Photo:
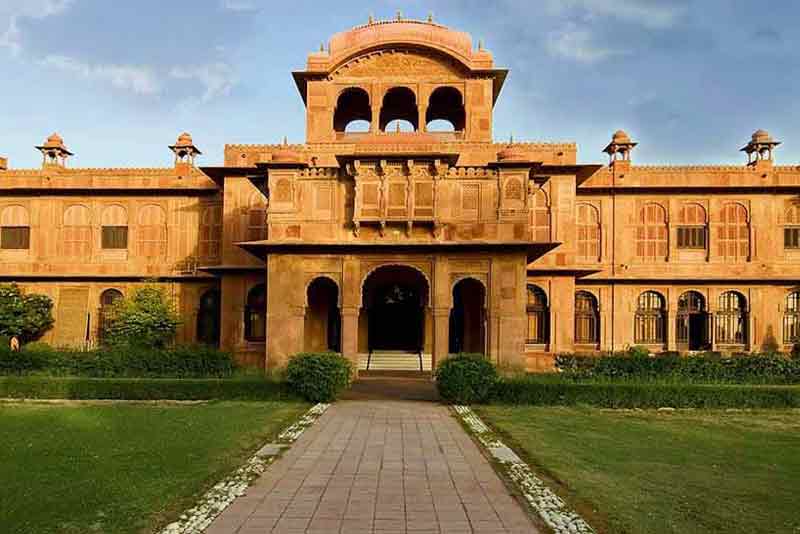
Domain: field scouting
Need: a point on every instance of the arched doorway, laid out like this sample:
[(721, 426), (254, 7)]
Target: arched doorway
[(208, 318), (692, 330), (108, 298), (394, 302), (468, 317), (322, 321)]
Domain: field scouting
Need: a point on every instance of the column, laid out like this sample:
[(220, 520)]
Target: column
[(350, 335), (672, 327), (441, 335)]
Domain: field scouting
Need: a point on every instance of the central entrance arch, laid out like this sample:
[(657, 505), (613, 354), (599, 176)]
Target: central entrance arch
[(395, 298)]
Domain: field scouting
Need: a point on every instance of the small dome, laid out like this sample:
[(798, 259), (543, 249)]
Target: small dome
[(761, 136), (620, 137), (512, 153), (54, 140), (184, 139)]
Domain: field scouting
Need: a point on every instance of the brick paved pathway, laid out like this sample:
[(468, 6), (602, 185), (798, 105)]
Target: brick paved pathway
[(378, 466)]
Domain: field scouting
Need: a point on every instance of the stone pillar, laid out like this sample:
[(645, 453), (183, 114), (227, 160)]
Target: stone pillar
[(422, 112), (441, 335), (672, 327), (350, 335)]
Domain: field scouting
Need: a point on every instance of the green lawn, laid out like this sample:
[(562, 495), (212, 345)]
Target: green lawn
[(121, 468), (655, 472)]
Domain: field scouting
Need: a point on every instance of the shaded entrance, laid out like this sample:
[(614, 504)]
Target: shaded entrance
[(208, 318), (393, 318), (692, 329), (323, 320), (468, 318)]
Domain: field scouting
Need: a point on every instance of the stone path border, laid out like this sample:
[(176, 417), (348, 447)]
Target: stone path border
[(215, 500), (552, 509)]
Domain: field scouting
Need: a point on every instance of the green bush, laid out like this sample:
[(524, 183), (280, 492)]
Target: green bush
[(38, 387), (533, 390), (121, 361), (708, 368), (466, 379), (319, 377), (27, 317), (146, 318)]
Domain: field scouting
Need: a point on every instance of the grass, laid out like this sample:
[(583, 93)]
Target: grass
[(665, 472), (121, 467)]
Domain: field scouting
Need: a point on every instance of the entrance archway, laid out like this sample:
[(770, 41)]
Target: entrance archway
[(322, 321), (395, 298), (692, 329), (468, 317), (208, 318)]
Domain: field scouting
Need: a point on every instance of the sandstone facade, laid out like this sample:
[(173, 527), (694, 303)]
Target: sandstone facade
[(399, 225)]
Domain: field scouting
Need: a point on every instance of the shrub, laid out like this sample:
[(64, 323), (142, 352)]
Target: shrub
[(37, 387), (120, 361), (147, 318), (795, 354), (637, 351), (466, 379), (533, 390), (27, 317), (319, 377)]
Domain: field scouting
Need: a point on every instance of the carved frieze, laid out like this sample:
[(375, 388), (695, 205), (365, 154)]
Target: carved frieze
[(399, 62)]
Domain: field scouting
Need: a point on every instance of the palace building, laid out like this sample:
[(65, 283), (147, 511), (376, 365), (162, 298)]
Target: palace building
[(400, 232)]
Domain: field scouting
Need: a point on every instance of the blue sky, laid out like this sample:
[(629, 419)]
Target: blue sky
[(689, 80)]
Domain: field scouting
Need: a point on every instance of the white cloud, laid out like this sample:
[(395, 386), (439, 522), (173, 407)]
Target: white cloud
[(138, 79), (646, 13), (238, 5), (217, 78), (577, 44), (13, 10), (12, 38)]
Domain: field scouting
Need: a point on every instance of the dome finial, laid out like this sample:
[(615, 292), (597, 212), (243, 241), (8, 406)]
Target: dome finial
[(430, 17), (371, 19), (399, 15)]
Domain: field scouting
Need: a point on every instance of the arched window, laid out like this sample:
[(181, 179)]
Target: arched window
[(791, 229), (731, 319), (107, 300), (114, 228), (255, 314), (587, 319), (76, 238), (691, 331), (152, 231), (257, 217), (540, 217), (352, 109), (650, 319), (15, 229), (791, 318), (538, 316), (399, 104), (734, 233), (692, 223), (651, 233), (445, 106), (588, 228), (210, 232)]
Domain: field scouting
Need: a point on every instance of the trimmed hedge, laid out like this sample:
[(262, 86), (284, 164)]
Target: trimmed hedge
[(706, 368), (186, 361), (466, 379), (38, 387), (533, 391), (319, 377)]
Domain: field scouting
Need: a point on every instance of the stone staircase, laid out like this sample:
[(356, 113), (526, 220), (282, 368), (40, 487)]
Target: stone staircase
[(387, 360)]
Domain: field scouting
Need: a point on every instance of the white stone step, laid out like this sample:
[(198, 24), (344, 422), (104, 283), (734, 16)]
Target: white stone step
[(395, 361)]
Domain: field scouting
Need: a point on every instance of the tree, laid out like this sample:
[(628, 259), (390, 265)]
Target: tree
[(27, 317), (146, 318)]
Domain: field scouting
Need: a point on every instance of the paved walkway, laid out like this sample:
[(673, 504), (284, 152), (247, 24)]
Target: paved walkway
[(378, 467)]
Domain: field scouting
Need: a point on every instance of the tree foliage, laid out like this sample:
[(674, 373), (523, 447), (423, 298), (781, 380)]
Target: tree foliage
[(146, 318), (26, 316)]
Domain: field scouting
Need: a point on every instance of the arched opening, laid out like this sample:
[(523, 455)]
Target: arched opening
[(468, 317), (538, 316), (352, 107), (587, 319), (358, 126), (395, 298), (791, 318), (322, 321), (108, 298), (650, 320), (399, 104), (208, 318), (731, 319), (399, 125), (692, 332), (445, 106), (255, 314)]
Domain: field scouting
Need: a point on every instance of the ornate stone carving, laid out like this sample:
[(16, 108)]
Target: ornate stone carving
[(399, 62)]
